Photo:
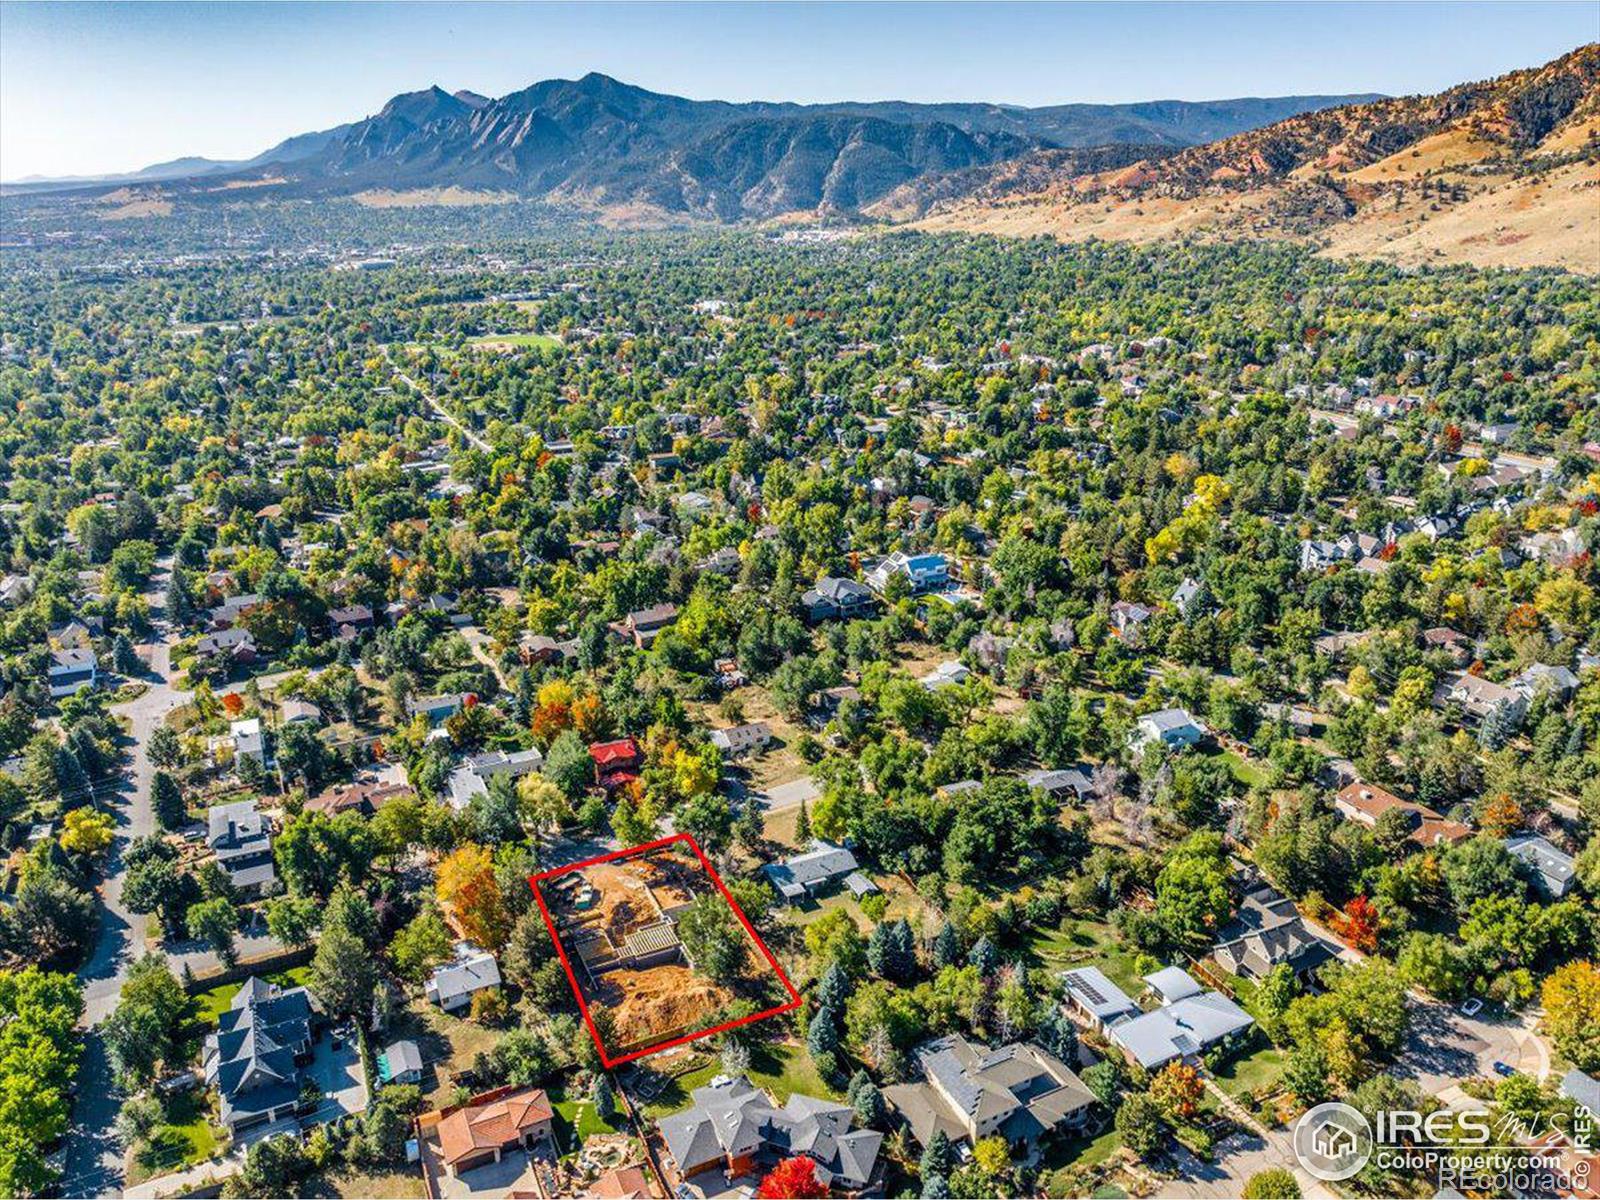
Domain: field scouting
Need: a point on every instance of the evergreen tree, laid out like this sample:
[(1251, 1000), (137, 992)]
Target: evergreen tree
[(802, 825), (947, 946), (938, 1157), (984, 956), (167, 799)]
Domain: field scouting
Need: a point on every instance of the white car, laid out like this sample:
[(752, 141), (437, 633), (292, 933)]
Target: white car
[(1472, 1007)]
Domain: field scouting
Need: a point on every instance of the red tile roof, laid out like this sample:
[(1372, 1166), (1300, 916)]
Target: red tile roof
[(500, 1123)]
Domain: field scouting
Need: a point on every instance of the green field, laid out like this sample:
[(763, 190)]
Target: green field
[(1242, 1076), (210, 1004), (187, 1138), (524, 341), (780, 1069), (576, 1120), (1081, 943)]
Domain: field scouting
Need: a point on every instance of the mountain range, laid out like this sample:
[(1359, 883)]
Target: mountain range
[(599, 143), (1500, 172)]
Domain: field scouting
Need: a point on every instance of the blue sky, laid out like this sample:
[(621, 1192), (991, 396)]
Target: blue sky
[(92, 87)]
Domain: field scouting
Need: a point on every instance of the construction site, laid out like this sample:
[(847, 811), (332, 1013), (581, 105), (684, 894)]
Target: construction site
[(616, 924)]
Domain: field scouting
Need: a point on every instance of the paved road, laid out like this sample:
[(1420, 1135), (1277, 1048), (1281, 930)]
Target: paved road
[(94, 1157), (444, 414)]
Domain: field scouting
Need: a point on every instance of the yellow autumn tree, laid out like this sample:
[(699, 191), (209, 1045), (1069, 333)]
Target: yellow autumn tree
[(469, 892)]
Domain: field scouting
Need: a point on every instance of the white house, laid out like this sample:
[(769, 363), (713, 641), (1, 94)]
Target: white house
[(742, 739), (472, 777), (453, 985), (72, 670), (1172, 728)]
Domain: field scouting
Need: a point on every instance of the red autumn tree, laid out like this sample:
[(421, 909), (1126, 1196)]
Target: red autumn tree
[(792, 1179), (1360, 924)]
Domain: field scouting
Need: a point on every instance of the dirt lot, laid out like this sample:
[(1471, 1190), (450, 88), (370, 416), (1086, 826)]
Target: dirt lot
[(659, 1002), (651, 1003)]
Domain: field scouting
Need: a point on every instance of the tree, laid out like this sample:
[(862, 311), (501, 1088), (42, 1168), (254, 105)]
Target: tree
[(215, 922), (712, 939), (467, 887), (167, 799), (1480, 868), (792, 1179), (1140, 1124), (992, 1155), (567, 764), (292, 920), (155, 883), (1192, 896), (425, 943), (1571, 998), (867, 1100), (1275, 1183), (1058, 1034), (144, 1031), (87, 832), (544, 806), (163, 748), (938, 1158), (1177, 1089), (344, 974)]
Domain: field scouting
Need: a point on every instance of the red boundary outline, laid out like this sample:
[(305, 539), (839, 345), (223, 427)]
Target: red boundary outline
[(572, 977)]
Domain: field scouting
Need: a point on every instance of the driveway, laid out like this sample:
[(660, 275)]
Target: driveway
[(1444, 1047)]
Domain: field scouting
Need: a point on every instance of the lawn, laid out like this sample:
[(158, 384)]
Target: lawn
[(576, 1120), (1248, 773), (1084, 1151), (781, 1069), (1249, 1073), (1081, 943), (522, 341), (210, 1004), (187, 1138)]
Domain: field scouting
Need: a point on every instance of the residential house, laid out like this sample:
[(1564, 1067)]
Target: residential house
[(71, 671), (1558, 682), (539, 647), (725, 562), (1171, 984), (1171, 728), (1019, 1092), (1457, 645), (623, 1183), (365, 798), (1189, 598), (646, 625), (257, 1056), (231, 645), (1583, 1090), (1128, 619), (1269, 932), (241, 837), (400, 1062), (350, 621), (748, 738), (1552, 869), (299, 712), (228, 613), (616, 762), (471, 778), (922, 572), (1059, 785), (436, 709), (470, 971), (1480, 699), (821, 867), (494, 1124), (1182, 1030), (250, 742), (1364, 803), (1096, 997), (945, 675), (835, 598), (733, 1125)]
